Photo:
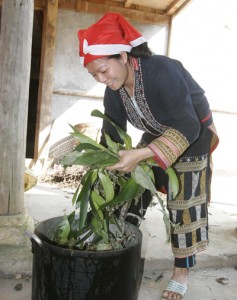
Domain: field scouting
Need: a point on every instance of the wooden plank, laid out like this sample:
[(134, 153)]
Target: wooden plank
[(77, 93), (67, 4), (40, 4), (184, 5), (79, 5), (176, 6), (169, 36), (128, 3), (46, 76), (143, 17)]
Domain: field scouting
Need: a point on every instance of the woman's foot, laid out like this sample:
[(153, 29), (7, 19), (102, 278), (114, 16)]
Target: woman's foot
[(177, 285)]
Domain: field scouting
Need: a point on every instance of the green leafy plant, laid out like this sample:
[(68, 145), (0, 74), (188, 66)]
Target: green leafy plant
[(102, 198)]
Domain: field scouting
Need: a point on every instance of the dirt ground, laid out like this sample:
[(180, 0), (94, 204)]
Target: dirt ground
[(62, 177)]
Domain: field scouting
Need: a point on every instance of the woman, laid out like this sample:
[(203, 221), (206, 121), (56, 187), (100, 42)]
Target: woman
[(157, 95)]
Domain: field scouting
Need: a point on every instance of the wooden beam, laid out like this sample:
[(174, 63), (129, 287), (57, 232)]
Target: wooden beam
[(46, 76), (77, 93), (78, 5), (184, 5), (169, 36), (128, 3), (68, 4), (176, 6), (40, 4), (143, 17)]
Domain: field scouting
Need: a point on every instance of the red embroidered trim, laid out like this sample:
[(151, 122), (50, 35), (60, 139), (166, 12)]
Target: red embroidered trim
[(160, 162), (134, 63), (206, 118), (157, 159)]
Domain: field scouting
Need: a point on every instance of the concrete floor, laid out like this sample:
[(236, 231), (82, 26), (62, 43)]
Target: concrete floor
[(205, 284), (218, 262)]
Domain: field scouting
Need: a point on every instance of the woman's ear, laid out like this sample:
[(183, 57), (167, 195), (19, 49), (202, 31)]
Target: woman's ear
[(124, 56)]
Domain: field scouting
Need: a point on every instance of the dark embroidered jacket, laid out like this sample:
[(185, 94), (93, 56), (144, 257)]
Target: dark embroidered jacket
[(168, 106)]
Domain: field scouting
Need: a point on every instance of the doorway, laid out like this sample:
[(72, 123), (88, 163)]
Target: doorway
[(34, 83)]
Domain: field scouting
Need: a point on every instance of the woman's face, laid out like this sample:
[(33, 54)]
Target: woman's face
[(111, 71)]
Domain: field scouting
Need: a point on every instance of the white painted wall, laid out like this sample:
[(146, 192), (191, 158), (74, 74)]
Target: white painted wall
[(205, 39)]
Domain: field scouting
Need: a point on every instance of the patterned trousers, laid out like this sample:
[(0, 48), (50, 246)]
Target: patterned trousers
[(189, 209)]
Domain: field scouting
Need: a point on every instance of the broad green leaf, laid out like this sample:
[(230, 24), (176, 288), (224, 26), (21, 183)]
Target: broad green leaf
[(82, 138), (107, 186), (86, 146), (75, 196), (111, 144), (143, 179), (105, 231), (97, 202), (63, 229), (71, 217), (96, 210), (90, 158), (173, 182), (97, 198), (166, 220), (97, 226), (83, 199), (129, 191), (123, 135), (94, 176), (107, 162)]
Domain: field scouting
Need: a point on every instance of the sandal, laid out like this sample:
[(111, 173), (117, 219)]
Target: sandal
[(176, 287)]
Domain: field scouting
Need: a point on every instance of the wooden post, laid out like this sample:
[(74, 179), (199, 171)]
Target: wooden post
[(15, 61), (169, 35), (46, 78)]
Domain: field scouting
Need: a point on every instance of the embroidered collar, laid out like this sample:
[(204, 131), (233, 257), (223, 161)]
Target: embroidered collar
[(140, 114)]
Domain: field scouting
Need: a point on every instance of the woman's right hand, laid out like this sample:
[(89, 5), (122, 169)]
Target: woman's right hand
[(129, 159)]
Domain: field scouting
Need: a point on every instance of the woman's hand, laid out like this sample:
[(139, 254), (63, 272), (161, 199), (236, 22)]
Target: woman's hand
[(129, 159)]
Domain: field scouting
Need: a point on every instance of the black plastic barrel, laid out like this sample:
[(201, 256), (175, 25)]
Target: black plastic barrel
[(64, 274)]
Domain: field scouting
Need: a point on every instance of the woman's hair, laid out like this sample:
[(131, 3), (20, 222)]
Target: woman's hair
[(140, 51)]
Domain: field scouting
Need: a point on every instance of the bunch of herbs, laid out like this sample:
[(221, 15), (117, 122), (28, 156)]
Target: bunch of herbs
[(95, 224)]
